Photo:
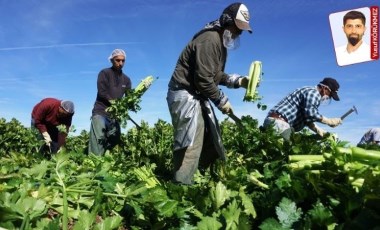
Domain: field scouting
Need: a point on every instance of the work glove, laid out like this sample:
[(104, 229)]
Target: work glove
[(243, 82), (47, 138), (226, 108), (236, 81), (317, 129), (332, 122), (334, 136)]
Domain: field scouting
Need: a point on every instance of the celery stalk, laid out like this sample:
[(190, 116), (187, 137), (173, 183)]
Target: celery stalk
[(360, 153), (294, 158), (254, 77)]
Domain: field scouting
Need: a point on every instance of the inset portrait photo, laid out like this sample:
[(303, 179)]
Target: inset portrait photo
[(355, 35)]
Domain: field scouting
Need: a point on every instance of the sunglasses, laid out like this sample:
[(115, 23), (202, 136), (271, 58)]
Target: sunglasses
[(119, 60)]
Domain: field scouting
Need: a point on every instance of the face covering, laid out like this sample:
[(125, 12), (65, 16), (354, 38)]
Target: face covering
[(325, 100), (229, 42)]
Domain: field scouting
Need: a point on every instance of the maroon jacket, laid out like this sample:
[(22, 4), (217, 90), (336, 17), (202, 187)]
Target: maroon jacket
[(46, 119)]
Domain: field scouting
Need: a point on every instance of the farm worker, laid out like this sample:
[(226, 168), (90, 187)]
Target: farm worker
[(372, 136), (112, 84), (300, 109), (47, 116), (194, 83)]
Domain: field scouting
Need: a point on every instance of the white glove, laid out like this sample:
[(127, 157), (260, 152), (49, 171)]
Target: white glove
[(226, 108), (334, 136), (320, 131), (332, 122), (243, 82), (317, 129), (47, 138)]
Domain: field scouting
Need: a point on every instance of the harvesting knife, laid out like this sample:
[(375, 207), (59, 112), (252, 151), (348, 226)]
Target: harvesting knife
[(134, 122), (353, 109), (236, 119)]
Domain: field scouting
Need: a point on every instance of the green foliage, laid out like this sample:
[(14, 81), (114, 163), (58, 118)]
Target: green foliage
[(320, 215), (14, 137), (130, 187), (120, 108), (77, 144), (288, 213), (150, 145)]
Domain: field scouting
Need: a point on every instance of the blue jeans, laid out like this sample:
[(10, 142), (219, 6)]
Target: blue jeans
[(104, 134)]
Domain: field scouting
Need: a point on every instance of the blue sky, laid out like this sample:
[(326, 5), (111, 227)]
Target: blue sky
[(56, 49)]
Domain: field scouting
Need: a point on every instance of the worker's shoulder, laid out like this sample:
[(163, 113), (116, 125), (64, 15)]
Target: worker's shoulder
[(375, 130), (211, 35)]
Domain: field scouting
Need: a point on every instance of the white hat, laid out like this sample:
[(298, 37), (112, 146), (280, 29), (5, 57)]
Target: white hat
[(68, 106), (240, 14), (117, 52)]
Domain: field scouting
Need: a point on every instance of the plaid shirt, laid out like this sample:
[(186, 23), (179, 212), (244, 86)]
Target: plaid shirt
[(300, 107)]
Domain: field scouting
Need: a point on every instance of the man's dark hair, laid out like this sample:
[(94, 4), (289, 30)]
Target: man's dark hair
[(354, 15)]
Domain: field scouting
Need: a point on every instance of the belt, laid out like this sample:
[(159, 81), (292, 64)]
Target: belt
[(277, 116)]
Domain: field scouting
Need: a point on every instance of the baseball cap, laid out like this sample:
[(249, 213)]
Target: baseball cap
[(117, 52), (239, 12), (333, 86), (68, 106)]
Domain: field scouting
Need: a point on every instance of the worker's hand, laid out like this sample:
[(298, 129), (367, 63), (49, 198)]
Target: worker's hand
[(334, 136), (332, 122), (317, 129), (226, 108), (47, 138), (59, 150), (243, 81), (320, 131)]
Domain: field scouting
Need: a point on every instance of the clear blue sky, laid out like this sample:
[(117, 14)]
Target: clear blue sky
[(56, 49)]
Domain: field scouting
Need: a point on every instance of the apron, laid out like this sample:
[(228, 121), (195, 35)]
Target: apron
[(184, 109)]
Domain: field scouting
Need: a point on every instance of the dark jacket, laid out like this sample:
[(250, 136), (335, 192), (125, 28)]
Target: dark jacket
[(201, 64), (112, 84)]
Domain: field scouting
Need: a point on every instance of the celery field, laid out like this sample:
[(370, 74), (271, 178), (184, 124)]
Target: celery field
[(264, 184)]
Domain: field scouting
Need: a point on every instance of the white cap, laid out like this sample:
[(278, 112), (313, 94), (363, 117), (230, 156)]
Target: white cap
[(117, 52), (240, 14), (242, 18), (68, 106)]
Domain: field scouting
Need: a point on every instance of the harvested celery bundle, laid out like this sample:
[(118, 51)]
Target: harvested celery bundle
[(255, 73)]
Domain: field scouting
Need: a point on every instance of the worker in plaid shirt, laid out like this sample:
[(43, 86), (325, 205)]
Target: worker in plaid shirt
[(300, 109)]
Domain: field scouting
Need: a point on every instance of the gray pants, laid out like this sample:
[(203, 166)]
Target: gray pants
[(282, 127), (201, 154), (104, 134)]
